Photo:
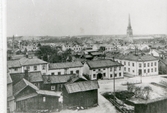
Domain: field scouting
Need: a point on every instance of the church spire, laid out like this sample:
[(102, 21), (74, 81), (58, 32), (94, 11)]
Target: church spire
[(129, 26)]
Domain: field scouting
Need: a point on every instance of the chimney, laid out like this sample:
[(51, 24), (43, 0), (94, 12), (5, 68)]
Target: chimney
[(26, 74)]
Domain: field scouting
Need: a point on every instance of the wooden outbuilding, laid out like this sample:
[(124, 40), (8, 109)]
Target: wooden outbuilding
[(80, 94), (29, 98)]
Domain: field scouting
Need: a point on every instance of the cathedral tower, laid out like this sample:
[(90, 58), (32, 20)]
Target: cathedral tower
[(129, 29)]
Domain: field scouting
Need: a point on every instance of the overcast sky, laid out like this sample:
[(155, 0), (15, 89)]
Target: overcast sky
[(85, 17)]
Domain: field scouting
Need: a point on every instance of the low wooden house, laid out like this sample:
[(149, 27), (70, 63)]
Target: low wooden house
[(80, 94), (29, 98), (55, 82)]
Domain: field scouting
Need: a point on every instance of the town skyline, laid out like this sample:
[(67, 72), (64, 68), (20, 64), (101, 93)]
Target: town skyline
[(64, 18)]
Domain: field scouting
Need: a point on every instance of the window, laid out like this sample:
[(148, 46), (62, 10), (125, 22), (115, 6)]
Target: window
[(94, 70), (133, 64), (52, 87), (16, 69), (99, 69), (148, 70), (28, 68), (35, 67), (115, 68), (119, 68), (139, 64), (148, 64), (145, 71), (59, 73), (71, 72), (144, 64), (103, 68), (152, 70), (124, 68), (115, 75), (129, 69), (155, 69), (133, 71), (43, 67), (151, 64), (124, 63), (52, 73), (77, 71), (110, 69), (155, 64), (94, 75), (104, 74), (110, 75), (44, 99), (120, 74), (128, 63)]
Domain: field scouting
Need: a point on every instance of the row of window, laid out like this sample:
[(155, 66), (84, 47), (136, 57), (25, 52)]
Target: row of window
[(140, 64), (111, 75), (115, 68), (71, 72), (148, 70), (35, 67)]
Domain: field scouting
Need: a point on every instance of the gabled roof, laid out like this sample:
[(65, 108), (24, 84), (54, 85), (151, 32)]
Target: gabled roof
[(55, 79), (35, 76), (50, 93), (81, 86), (22, 84), (24, 62), (9, 79), (140, 58), (32, 76), (76, 79), (65, 65), (102, 64)]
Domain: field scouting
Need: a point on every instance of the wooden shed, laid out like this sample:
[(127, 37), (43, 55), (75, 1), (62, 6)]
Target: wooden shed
[(80, 94), (29, 98)]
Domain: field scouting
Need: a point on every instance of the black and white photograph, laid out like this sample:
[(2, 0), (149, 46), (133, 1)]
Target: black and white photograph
[(85, 56)]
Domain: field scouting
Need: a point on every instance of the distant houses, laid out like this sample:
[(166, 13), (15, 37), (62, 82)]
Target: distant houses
[(139, 65), (103, 69)]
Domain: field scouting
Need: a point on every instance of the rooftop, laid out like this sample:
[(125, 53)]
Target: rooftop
[(102, 63), (53, 79), (25, 61), (65, 65), (81, 86), (139, 58)]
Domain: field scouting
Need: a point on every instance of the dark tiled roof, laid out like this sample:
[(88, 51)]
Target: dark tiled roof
[(16, 77), (22, 84), (35, 76), (77, 78), (141, 58), (32, 76), (53, 79), (65, 65), (102, 63), (81, 86)]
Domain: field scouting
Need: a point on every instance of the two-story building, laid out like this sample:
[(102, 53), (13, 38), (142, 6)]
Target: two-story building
[(65, 68), (103, 69), (139, 64), (30, 64)]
